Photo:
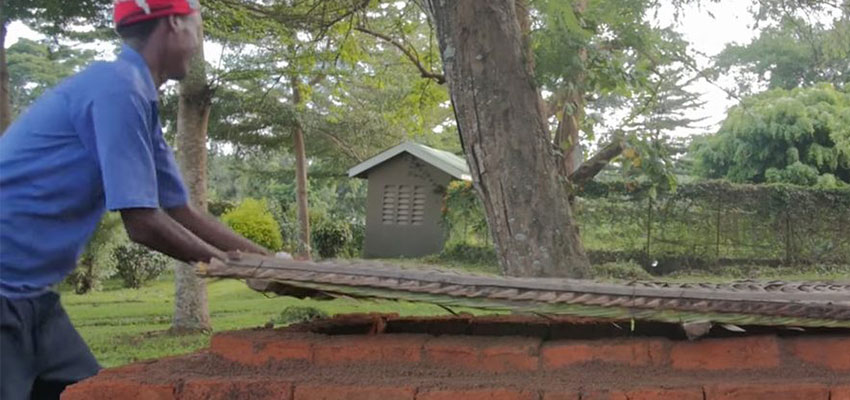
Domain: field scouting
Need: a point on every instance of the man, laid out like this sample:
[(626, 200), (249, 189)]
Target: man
[(91, 144)]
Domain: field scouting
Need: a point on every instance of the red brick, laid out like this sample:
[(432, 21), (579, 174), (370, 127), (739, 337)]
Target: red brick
[(726, 354), (633, 352), (658, 394), (344, 350), (840, 393), (636, 394), (600, 395), (110, 389), (379, 348), (477, 394), (455, 351), (509, 354), (830, 352), (767, 392), (562, 395), (230, 388), (250, 349), (333, 392), (234, 348), (289, 349), (493, 354), (401, 348)]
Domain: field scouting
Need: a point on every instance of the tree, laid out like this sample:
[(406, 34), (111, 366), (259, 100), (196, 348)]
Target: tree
[(801, 136), (298, 86), (304, 66), (191, 311), (586, 54), (35, 66), (794, 53), (506, 139), (50, 16)]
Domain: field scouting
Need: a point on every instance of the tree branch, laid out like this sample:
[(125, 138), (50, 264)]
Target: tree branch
[(593, 166), (308, 20), (439, 78), (342, 145)]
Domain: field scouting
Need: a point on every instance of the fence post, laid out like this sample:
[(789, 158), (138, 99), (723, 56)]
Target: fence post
[(717, 228), (788, 250), (648, 228)]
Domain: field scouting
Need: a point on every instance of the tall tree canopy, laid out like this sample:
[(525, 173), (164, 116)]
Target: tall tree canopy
[(35, 66), (793, 53), (49, 16), (799, 136)]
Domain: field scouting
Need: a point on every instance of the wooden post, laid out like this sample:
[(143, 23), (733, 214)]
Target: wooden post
[(648, 229)]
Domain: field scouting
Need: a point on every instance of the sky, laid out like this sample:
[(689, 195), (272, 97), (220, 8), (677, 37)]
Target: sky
[(731, 23)]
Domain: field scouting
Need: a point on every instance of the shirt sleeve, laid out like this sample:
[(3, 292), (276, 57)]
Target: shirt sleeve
[(172, 190), (125, 149)]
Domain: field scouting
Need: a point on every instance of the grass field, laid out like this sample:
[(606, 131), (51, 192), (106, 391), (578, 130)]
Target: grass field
[(126, 325)]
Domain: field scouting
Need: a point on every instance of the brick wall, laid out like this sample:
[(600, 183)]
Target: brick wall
[(461, 366)]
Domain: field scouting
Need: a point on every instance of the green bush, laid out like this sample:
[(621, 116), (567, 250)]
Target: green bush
[(330, 238), (253, 220), (358, 238), (795, 174), (629, 270), (96, 263), (463, 215), (219, 207), (295, 314), (292, 231), (137, 265), (470, 254)]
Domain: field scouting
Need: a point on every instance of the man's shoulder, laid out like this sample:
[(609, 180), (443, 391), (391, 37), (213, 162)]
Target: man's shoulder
[(105, 78)]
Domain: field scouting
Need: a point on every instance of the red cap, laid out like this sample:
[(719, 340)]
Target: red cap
[(129, 12)]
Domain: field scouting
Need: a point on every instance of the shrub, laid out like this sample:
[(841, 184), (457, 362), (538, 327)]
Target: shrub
[(96, 263), (358, 238), (629, 270), (137, 265), (253, 220), (463, 214), (470, 254), (219, 207), (331, 237), (295, 314)]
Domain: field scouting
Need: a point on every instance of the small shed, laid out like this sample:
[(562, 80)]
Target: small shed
[(404, 199)]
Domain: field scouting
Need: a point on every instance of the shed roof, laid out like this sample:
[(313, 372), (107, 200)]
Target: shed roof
[(442, 160)]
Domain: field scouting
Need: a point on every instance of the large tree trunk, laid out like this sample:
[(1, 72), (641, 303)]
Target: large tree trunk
[(301, 189), (191, 312), (5, 107), (506, 139)]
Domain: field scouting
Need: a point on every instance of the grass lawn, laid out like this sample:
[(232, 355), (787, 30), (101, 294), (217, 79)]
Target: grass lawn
[(126, 325)]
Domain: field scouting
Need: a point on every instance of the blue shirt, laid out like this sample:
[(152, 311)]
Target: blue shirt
[(92, 143)]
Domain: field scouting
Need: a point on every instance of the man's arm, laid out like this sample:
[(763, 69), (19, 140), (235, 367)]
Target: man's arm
[(153, 228), (212, 231)]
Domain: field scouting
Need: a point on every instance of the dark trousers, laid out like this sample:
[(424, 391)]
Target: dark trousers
[(40, 351)]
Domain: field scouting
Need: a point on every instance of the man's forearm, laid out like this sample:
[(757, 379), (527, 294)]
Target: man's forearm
[(157, 230), (212, 231)]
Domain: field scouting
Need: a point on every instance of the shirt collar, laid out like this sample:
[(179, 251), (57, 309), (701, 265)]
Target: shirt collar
[(135, 59)]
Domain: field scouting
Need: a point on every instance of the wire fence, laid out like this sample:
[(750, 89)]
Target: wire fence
[(698, 225)]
